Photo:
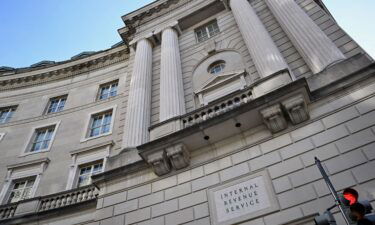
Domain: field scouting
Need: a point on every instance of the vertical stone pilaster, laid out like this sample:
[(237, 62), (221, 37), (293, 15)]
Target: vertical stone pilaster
[(311, 42), (266, 56), (138, 113), (172, 102)]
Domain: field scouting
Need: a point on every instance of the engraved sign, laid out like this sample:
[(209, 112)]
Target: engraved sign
[(242, 200), (238, 200)]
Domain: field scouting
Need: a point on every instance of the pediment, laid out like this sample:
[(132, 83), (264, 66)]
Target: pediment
[(217, 81)]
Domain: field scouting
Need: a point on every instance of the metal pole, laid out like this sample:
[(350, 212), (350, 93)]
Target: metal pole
[(331, 188)]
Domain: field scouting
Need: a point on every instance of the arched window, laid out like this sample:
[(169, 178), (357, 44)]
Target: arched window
[(216, 67)]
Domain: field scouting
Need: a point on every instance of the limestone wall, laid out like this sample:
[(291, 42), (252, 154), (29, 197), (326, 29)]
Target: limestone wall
[(341, 133)]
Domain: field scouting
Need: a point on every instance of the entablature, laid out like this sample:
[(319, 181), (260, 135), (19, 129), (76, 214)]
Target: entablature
[(40, 75), (140, 24)]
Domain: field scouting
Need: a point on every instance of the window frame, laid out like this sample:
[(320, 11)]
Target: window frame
[(205, 27), (101, 86), (27, 148), (34, 168), (86, 135), (103, 123), (11, 108), (215, 64), (49, 104), (12, 188), (87, 156), (46, 137), (89, 164)]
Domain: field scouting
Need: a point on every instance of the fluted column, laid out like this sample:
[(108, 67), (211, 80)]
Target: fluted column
[(311, 42), (172, 102), (138, 113), (266, 56)]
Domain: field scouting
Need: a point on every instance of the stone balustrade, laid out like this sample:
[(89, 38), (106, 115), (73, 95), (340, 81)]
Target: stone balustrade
[(50, 202), (213, 110), (7, 211), (67, 198)]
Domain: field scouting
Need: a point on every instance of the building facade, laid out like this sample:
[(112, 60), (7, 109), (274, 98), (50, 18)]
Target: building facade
[(208, 112)]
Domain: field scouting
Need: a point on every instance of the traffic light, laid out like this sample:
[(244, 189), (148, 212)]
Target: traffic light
[(325, 219), (358, 211)]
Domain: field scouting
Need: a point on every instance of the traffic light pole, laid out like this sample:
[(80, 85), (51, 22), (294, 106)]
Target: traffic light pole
[(332, 189)]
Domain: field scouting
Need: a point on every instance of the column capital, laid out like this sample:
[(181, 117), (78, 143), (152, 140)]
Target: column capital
[(173, 25), (149, 37), (155, 36)]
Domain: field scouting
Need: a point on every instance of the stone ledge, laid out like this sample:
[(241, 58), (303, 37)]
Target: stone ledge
[(291, 100), (339, 71)]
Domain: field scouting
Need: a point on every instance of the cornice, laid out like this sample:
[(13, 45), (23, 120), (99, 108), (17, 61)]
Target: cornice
[(147, 14), (64, 70)]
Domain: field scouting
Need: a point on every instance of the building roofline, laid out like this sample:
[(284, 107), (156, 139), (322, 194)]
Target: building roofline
[(44, 65)]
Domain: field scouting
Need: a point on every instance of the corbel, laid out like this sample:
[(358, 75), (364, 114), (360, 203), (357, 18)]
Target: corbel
[(274, 118)]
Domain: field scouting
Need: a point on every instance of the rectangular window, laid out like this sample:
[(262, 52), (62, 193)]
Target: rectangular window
[(6, 113), (207, 31), (108, 90), (21, 190), (56, 104), (85, 173), (42, 139), (100, 123)]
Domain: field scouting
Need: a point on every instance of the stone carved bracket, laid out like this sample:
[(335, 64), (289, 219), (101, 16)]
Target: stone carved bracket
[(294, 108), (159, 163), (179, 156), (274, 118), (162, 161)]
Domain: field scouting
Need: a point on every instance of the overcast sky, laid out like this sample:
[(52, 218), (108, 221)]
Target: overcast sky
[(36, 30)]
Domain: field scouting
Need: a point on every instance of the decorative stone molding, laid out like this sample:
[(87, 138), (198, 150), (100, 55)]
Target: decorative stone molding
[(159, 162), (29, 77), (164, 159), (274, 118), (179, 156), (296, 108), (138, 18)]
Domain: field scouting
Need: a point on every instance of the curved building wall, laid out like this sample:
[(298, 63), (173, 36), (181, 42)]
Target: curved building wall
[(241, 124), (82, 100)]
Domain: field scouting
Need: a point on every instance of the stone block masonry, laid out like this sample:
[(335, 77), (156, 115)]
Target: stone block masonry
[(345, 145)]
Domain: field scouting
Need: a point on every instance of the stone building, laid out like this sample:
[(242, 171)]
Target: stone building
[(208, 112)]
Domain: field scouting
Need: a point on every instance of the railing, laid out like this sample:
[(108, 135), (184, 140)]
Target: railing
[(67, 198), (7, 211), (213, 110), (50, 202)]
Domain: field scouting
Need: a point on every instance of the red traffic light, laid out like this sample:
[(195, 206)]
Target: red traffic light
[(351, 195)]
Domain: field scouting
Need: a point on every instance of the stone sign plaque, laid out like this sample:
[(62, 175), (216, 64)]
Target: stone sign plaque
[(242, 200)]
